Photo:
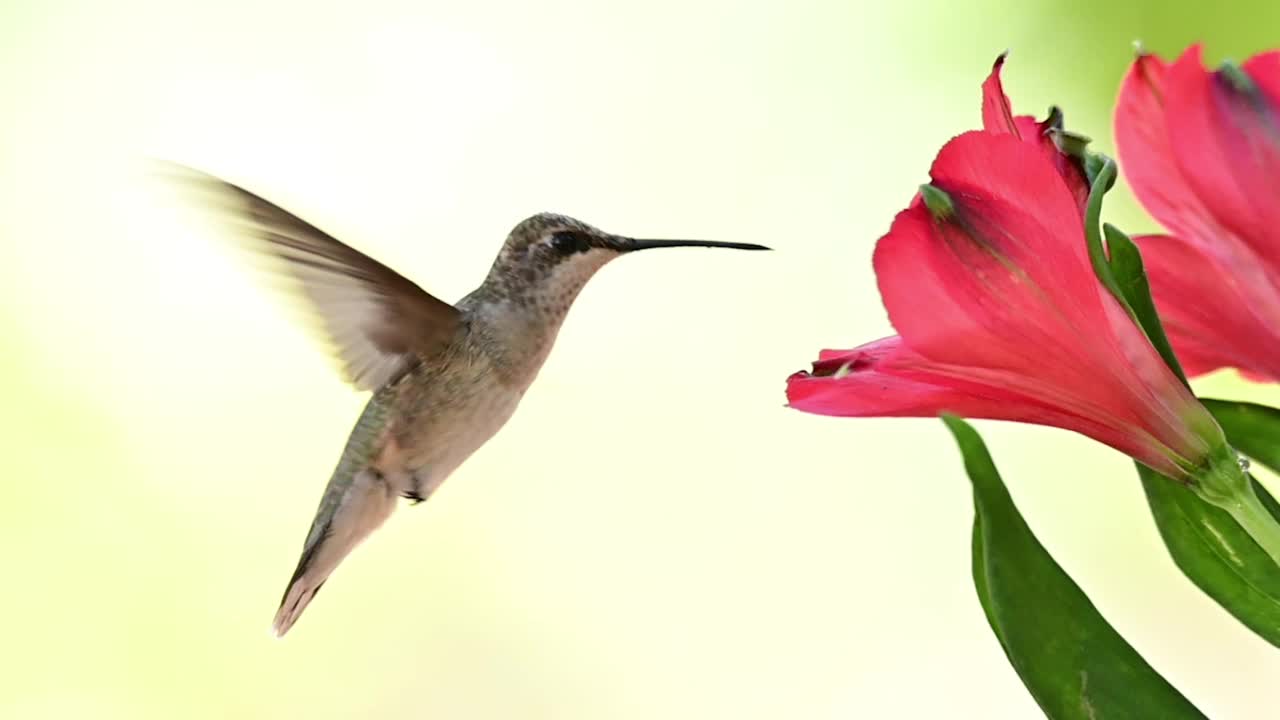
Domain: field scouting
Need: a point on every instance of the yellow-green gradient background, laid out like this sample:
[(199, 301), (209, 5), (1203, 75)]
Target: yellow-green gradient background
[(653, 535)]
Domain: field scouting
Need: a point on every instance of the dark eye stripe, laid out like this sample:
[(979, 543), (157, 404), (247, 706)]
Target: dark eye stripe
[(567, 242)]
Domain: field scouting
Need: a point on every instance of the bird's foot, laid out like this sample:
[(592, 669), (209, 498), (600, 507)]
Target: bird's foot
[(414, 493)]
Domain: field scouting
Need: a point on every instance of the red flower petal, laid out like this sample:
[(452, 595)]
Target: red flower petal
[(1001, 270), (1264, 70), (997, 113), (1198, 151), (1228, 150), (1225, 332), (1147, 158), (850, 383), (885, 379), (998, 118), (1144, 143)]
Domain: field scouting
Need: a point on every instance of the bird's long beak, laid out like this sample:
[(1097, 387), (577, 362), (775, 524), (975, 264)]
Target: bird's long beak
[(630, 244)]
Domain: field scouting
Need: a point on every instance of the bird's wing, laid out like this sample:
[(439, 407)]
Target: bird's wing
[(375, 320)]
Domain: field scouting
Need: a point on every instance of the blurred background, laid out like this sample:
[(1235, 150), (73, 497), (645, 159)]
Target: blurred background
[(653, 535)]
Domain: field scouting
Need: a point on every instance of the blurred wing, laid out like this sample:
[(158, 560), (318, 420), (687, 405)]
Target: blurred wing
[(376, 321)]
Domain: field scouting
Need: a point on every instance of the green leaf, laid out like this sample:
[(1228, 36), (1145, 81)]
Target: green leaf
[(1131, 280), (1075, 665), (1251, 428), (1207, 544), (1119, 267)]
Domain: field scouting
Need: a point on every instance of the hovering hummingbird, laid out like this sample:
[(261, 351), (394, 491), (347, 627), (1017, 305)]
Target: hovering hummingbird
[(444, 377)]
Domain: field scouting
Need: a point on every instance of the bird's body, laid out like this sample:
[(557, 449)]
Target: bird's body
[(445, 378), (416, 431), (410, 437)]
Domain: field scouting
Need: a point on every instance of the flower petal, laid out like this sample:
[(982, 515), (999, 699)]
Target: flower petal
[(1147, 157), (1228, 149), (886, 379), (850, 383), (1145, 137), (998, 118), (997, 113), (996, 272), (1208, 335), (1264, 70)]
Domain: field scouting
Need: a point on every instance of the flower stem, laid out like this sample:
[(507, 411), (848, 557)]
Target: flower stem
[(1222, 482), (1248, 510)]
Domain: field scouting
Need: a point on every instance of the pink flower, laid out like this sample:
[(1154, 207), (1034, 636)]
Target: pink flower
[(1202, 152), (988, 281)]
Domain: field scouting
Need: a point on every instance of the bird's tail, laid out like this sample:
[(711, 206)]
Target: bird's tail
[(348, 513)]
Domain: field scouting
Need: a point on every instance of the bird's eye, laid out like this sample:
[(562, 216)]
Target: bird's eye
[(567, 243)]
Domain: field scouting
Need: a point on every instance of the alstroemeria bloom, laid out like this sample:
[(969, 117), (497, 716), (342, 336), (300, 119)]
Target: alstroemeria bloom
[(988, 281), (1202, 152)]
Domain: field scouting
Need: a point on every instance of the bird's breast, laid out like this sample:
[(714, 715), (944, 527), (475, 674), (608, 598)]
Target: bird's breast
[(440, 430)]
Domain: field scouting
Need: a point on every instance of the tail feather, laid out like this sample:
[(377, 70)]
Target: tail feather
[(338, 528), (296, 598)]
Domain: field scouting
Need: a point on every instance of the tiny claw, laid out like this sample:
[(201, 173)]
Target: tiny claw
[(414, 493)]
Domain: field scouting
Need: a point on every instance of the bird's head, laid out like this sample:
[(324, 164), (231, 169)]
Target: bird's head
[(547, 259)]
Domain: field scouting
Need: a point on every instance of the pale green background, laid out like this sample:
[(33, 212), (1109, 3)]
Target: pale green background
[(653, 535)]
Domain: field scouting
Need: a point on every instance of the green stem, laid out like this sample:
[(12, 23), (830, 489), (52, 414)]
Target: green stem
[(1254, 518), (1221, 481)]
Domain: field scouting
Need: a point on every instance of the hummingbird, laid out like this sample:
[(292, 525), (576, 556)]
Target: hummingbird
[(444, 378)]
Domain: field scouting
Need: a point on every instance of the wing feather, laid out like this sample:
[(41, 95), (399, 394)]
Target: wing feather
[(376, 321)]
